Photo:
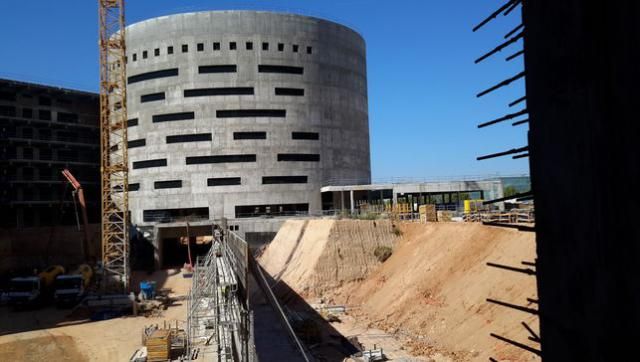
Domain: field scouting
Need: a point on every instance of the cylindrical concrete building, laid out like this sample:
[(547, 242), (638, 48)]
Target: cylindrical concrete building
[(242, 114)]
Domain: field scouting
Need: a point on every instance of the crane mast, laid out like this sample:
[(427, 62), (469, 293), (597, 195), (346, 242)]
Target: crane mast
[(113, 145)]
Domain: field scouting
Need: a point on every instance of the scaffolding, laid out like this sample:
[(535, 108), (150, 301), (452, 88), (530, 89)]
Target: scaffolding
[(218, 318)]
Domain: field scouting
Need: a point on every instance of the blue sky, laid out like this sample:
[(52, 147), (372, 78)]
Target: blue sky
[(422, 80)]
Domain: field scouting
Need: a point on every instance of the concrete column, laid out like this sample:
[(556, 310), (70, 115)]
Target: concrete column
[(353, 205), (342, 200)]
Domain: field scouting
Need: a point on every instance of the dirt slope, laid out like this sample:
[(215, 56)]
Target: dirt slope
[(432, 291), (315, 256)]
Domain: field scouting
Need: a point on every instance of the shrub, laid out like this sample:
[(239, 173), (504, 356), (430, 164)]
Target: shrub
[(382, 253), (367, 216), (397, 231)]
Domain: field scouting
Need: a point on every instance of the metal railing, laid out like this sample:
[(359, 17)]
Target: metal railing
[(411, 179), (165, 219), (513, 216)]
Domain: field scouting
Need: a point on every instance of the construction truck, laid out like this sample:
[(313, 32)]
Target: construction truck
[(71, 288), (33, 290)]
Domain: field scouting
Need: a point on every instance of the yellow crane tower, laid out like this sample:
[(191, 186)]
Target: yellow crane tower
[(113, 146)]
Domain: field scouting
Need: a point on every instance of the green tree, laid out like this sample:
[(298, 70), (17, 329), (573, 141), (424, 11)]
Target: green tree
[(510, 191), (464, 196)]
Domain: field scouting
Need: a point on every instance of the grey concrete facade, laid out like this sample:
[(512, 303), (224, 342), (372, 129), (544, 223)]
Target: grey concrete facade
[(303, 82)]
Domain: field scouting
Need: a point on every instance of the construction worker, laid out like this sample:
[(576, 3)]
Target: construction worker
[(217, 240), (217, 235)]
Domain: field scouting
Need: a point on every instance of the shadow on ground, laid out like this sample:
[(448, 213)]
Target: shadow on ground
[(323, 341), (25, 319)]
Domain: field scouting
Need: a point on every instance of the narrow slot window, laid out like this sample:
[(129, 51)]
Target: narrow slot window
[(136, 143), (298, 157), (274, 180), (169, 117), (172, 184), (249, 135), (290, 92), (285, 69), (228, 68), (305, 135), (223, 181), (150, 163), (199, 160), (152, 97), (203, 92), (152, 75), (240, 113), (189, 138)]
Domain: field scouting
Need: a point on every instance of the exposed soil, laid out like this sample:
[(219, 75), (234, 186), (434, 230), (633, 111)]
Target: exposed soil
[(48, 348), (317, 256), (431, 293), (51, 334)]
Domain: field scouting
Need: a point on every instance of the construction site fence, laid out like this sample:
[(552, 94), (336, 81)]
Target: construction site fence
[(514, 216), (405, 212)]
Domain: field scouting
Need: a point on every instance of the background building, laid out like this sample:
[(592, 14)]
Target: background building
[(42, 131), (240, 114)]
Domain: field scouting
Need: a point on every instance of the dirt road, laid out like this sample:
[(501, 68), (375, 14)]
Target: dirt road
[(51, 334)]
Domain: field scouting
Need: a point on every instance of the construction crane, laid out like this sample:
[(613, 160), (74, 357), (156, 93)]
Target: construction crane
[(79, 193), (113, 146)]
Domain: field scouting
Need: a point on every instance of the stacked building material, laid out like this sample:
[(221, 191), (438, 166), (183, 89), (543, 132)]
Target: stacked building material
[(158, 345), (427, 213)]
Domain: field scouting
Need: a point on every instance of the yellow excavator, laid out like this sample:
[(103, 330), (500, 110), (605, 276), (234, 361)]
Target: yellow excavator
[(33, 290)]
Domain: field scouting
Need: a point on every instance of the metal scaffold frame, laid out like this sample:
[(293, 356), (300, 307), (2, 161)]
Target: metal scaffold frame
[(218, 318), (113, 145)]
